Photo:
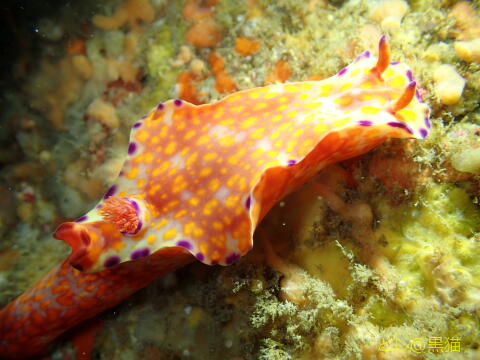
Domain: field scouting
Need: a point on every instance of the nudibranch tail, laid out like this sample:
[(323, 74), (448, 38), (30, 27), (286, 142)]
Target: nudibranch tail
[(66, 297)]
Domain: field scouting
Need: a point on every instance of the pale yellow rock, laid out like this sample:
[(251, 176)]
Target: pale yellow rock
[(449, 84), (45, 156), (197, 66), (389, 14), (437, 52), (468, 51), (467, 161), (184, 56), (109, 171), (431, 54), (104, 112), (131, 44), (113, 72), (391, 23), (82, 66)]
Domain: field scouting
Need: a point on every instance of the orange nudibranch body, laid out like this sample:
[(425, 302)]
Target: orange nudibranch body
[(66, 297), (198, 180)]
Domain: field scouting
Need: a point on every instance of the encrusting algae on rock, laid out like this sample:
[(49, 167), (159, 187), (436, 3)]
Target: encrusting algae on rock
[(377, 256)]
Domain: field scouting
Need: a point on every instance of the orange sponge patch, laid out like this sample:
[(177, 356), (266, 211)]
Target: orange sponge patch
[(245, 46)]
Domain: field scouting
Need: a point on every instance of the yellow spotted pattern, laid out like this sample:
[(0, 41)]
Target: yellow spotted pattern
[(197, 167)]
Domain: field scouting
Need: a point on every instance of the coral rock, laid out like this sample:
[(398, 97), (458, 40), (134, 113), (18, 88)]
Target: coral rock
[(104, 112), (449, 84), (389, 14), (468, 51), (467, 20), (467, 161), (82, 66), (204, 34), (193, 10), (197, 66), (131, 12)]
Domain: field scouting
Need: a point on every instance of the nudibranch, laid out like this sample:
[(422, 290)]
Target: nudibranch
[(198, 179)]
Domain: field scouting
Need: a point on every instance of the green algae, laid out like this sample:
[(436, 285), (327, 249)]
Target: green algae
[(228, 13), (272, 350), (159, 54), (443, 225), (447, 216)]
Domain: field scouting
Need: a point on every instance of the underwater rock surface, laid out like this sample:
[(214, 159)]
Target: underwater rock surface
[(377, 257)]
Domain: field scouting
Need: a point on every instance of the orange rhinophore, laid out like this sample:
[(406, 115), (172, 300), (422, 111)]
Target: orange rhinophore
[(198, 179), (406, 97), (383, 57)]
